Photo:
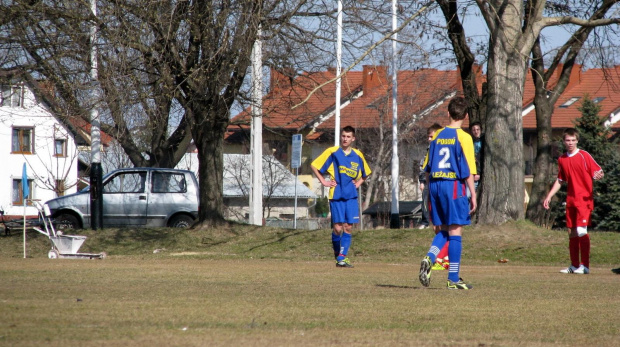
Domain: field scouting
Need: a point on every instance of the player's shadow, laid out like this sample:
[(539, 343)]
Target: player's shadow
[(401, 287), (616, 271)]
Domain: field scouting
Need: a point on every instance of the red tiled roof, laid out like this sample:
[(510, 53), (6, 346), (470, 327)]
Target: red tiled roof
[(597, 83), (417, 91), (278, 104)]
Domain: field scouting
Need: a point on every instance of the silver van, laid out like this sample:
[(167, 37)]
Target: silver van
[(149, 197)]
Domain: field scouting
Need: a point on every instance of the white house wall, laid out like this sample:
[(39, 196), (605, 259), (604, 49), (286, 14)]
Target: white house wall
[(42, 166)]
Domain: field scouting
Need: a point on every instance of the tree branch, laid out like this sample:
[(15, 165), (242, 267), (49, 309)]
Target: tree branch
[(423, 9), (555, 21)]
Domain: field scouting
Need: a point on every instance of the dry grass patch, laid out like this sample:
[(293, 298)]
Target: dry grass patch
[(183, 301)]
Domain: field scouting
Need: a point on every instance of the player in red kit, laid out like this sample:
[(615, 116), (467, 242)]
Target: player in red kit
[(577, 169)]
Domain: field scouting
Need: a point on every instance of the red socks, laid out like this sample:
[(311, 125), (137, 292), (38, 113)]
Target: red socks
[(444, 251), (584, 245), (573, 248), (577, 245)]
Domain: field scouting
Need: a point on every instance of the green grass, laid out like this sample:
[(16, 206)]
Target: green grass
[(243, 285)]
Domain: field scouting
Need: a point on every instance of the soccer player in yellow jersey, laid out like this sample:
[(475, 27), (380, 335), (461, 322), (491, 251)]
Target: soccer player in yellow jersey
[(347, 170), (450, 167)]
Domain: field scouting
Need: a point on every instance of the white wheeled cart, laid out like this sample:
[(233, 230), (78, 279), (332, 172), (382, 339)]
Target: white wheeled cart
[(63, 246)]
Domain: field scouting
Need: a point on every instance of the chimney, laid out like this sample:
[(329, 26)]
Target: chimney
[(575, 76), (281, 79), (373, 76)]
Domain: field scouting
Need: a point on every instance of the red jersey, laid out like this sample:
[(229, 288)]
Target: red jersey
[(577, 170)]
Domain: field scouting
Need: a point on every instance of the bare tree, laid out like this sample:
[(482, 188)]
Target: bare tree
[(50, 41), (277, 180), (514, 26), (562, 63), (168, 71)]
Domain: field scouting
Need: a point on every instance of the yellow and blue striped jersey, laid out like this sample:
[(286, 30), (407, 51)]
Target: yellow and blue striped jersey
[(350, 167), (450, 155)]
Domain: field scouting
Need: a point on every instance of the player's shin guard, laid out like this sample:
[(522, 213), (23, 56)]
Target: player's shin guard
[(438, 242), (573, 248), (584, 246), (345, 243), (336, 243), (454, 252)]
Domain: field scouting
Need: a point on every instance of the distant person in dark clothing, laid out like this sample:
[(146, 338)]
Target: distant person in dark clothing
[(478, 138)]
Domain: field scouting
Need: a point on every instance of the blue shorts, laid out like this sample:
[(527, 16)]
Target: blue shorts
[(449, 203), (344, 211)]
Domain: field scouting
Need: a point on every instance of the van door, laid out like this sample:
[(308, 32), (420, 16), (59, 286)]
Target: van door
[(168, 195), (125, 199)]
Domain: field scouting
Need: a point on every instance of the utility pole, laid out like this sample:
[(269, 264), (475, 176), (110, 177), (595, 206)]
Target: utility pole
[(394, 215), (338, 70), (256, 191), (96, 172)]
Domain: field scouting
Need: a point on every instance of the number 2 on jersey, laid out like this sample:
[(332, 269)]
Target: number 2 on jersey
[(445, 153)]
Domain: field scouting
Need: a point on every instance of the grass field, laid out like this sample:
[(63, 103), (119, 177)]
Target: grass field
[(248, 286)]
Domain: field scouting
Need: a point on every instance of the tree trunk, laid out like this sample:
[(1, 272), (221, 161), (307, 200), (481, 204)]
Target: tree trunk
[(503, 187), (535, 212), (544, 110), (209, 139)]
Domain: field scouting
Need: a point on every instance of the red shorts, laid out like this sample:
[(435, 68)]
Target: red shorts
[(578, 216)]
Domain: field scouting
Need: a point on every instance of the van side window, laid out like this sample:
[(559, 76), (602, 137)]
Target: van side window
[(126, 182), (165, 182)]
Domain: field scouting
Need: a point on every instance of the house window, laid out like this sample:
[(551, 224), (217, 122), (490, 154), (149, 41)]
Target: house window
[(599, 99), (11, 96), (22, 140), (60, 148), (18, 192), (570, 102)]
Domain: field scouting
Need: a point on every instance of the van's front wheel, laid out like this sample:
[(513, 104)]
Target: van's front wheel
[(181, 221), (66, 221)]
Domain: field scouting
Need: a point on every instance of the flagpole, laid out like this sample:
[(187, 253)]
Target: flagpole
[(96, 173), (256, 133), (25, 194), (338, 71), (24, 228), (395, 213)]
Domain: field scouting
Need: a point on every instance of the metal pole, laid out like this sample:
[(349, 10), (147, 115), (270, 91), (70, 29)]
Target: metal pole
[(256, 192), (359, 206), (96, 172), (295, 213), (394, 216), (24, 226), (338, 70)]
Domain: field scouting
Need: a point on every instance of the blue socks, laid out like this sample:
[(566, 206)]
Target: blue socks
[(345, 243), (438, 242), (336, 243), (454, 252)]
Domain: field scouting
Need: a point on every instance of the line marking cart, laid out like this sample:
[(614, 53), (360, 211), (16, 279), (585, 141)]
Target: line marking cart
[(63, 246)]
